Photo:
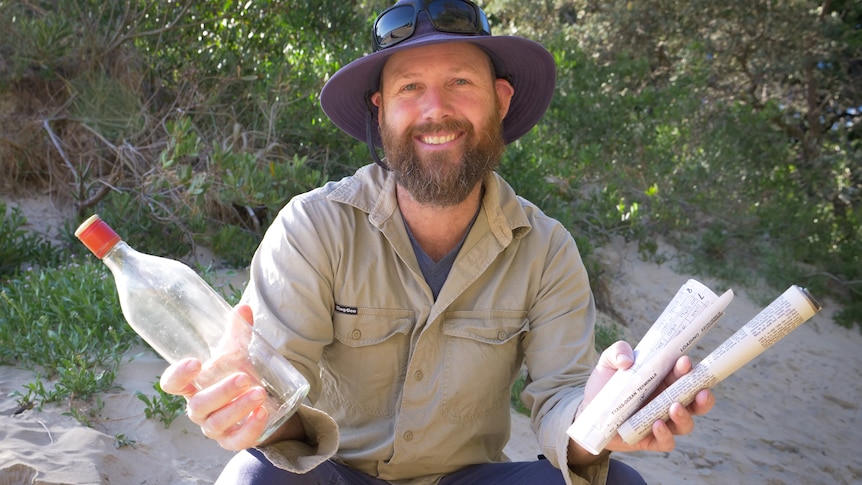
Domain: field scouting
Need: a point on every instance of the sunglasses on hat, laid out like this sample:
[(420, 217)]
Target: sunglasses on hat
[(398, 23)]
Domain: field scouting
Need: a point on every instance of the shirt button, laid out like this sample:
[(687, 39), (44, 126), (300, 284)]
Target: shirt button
[(408, 436), (356, 334), (502, 335), (418, 375)]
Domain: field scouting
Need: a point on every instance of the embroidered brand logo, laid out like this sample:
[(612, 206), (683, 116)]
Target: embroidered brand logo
[(349, 310)]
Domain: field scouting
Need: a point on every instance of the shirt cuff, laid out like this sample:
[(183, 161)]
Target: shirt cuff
[(320, 444), (596, 472)]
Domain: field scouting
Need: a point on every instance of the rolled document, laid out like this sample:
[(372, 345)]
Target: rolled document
[(782, 316), (692, 312)]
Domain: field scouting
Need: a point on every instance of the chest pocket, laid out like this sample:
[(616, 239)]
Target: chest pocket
[(365, 364), (483, 356)]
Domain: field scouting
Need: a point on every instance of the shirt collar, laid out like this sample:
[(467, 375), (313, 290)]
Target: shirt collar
[(372, 190)]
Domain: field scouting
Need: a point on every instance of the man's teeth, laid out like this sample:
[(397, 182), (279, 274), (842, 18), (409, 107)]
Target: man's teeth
[(438, 140)]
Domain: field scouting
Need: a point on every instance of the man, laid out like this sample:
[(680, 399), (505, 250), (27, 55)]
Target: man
[(411, 294)]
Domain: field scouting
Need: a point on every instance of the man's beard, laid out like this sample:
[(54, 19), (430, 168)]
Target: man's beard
[(434, 180)]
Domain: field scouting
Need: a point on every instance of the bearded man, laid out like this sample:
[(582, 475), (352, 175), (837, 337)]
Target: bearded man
[(412, 293)]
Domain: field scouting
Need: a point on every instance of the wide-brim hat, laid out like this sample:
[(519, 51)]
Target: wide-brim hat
[(526, 64)]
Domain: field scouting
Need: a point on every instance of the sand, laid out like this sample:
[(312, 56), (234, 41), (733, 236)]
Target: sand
[(791, 416)]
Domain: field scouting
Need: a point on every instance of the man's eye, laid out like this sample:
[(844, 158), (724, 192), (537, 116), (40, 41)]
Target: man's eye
[(410, 87), (462, 82)]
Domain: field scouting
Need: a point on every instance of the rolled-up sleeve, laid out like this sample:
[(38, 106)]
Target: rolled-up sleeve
[(320, 444), (560, 354)]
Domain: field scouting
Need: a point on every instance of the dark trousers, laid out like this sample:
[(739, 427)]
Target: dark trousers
[(250, 467)]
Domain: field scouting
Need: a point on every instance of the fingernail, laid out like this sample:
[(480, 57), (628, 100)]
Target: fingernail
[(242, 381), (258, 394), (193, 365)]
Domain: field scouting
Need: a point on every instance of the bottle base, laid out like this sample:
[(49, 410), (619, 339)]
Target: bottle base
[(279, 416)]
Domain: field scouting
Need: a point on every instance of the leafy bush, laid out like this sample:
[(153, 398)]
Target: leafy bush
[(65, 323), (53, 317)]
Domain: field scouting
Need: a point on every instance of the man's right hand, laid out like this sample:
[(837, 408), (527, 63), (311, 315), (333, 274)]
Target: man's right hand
[(229, 411)]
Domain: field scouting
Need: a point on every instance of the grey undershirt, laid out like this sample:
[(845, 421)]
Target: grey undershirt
[(435, 273)]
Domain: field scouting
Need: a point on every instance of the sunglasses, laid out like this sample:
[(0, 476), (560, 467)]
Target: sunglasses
[(398, 23)]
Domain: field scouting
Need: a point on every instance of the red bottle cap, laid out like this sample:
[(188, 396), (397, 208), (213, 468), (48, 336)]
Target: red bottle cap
[(97, 235)]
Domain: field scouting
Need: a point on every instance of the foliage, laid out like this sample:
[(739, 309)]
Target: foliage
[(724, 128), (221, 94), (719, 128), (779, 116), (121, 441), (61, 317), (162, 406), (63, 322)]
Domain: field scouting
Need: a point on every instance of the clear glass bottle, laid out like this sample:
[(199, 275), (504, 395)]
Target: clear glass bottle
[(175, 311)]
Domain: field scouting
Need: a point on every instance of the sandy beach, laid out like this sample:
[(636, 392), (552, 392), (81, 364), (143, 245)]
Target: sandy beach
[(791, 416)]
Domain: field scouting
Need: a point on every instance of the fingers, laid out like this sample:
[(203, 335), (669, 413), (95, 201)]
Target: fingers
[(618, 356), (179, 377), (237, 334), (680, 368), (213, 398), (243, 435), (681, 420), (662, 439), (244, 312), (230, 411), (703, 402)]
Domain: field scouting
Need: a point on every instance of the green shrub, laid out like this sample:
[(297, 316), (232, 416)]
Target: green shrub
[(65, 316), (162, 406)]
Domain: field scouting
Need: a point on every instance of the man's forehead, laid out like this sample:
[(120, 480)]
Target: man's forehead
[(463, 56)]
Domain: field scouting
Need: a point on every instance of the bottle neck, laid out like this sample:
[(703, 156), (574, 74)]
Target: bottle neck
[(115, 256)]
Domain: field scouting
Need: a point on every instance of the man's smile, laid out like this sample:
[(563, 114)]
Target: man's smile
[(438, 139)]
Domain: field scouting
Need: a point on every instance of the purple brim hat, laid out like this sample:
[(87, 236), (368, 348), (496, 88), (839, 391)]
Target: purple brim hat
[(526, 64)]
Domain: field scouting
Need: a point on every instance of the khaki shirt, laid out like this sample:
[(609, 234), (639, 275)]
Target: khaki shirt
[(420, 388)]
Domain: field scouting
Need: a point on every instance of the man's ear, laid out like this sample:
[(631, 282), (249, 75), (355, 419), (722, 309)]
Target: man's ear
[(377, 100), (505, 91)]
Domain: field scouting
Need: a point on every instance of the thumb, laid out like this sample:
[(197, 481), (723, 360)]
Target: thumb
[(238, 332), (616, 357), (244, 312)]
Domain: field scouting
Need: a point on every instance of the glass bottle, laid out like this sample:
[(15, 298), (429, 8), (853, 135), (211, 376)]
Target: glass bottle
[(179, 315)]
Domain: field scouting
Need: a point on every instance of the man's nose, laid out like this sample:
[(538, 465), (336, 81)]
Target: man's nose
[(436, 104)]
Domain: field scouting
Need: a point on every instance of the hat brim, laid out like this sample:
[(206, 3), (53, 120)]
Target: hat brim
[(525, 63)]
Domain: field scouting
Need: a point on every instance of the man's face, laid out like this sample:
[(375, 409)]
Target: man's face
[(441, 111)]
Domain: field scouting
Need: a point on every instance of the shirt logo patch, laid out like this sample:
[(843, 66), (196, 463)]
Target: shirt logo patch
[(349, 310)]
